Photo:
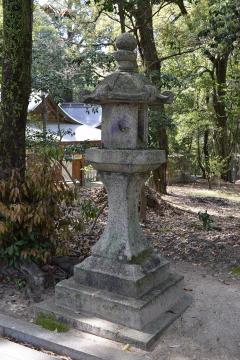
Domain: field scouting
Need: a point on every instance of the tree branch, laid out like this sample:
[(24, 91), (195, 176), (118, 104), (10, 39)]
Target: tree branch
[(115, 19), (163, 58)]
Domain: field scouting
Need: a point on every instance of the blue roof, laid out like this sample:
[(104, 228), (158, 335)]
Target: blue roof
[(70, 132), (84, 114)]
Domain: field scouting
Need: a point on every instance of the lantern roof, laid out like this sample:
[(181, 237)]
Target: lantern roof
[(127, 85)]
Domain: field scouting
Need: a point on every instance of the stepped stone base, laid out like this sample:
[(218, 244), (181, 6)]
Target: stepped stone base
[(128, 311), (143, 339), (131, 302)]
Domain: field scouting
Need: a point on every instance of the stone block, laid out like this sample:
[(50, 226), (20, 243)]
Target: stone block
[(143, 339), (133, 280), (125, 161), (74, 344), (120, 126), (128, 311)]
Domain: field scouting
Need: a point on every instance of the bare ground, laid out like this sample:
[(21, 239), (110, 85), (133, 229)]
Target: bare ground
[(210, 328), (175, 228)]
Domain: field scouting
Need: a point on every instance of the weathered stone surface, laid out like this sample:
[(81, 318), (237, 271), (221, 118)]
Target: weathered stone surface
[(36, 280), (127, 279), (143, 339), (122, 237), (120, 127), (124, 87), (76, 345), (125, 161), (131, 312), (126, 42), (12, 351)]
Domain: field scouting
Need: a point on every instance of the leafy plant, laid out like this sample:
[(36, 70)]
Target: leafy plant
[(206, 219), (30, 211), (20, 283), (89, 210)]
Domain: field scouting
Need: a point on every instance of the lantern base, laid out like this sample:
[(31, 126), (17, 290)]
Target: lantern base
[(93, 324)]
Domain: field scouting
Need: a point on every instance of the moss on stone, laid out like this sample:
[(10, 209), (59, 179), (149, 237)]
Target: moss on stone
[(51, 323), (141, 258), (236, 271)]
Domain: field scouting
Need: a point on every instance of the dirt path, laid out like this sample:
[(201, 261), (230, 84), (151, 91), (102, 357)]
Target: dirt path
[(210, 328), (222, 201)]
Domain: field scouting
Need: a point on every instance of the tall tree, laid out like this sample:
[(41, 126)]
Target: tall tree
[(16, 84), (152, 64), (139, 15), (219, 36), (66, 33)]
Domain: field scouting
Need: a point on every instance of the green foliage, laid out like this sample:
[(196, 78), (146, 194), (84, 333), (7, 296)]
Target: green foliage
[(20, 283), (72, 45), (206, 219), (89, 210), (64, 60), (215, 167), (70, 41), (51, 323), (220, 29)]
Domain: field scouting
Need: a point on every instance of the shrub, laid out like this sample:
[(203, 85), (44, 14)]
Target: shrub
[(30, 212)]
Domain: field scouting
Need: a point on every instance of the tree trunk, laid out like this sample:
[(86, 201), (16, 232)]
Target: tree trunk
[(143, 15), (219, 93), (16, 84), (44, 116), (199, 158), (206, 158), (206, 150), (121, 14)]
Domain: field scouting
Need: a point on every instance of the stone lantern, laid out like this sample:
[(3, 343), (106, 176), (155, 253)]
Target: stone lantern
[(124, 162), (124, 290)]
